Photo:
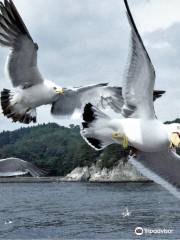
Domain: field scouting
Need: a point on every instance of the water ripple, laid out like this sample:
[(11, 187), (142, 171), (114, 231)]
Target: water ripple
[(85, 211)]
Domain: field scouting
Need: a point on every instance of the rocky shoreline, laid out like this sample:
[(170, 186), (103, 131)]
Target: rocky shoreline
[(118, 174), (28, 180)]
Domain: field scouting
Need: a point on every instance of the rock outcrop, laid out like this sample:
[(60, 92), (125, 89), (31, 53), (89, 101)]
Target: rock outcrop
[(119, 173), (78, 175)]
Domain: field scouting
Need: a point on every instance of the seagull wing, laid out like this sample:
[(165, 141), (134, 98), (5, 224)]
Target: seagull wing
[(14, 167), (22, 61), (139, 79), (158, 94), (161, 167), (99, 95)]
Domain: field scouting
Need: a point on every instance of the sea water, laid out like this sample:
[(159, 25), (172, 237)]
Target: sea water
[(88, 211)]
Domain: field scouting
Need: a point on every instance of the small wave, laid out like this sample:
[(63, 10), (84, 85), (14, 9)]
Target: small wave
[(8, 222), (126, 212)]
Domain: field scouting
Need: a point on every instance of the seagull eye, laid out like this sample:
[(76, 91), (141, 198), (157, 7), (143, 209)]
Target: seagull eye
[(55, 88)]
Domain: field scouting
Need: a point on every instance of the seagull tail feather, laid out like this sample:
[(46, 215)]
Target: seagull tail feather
[(10, 110), (95, 127)]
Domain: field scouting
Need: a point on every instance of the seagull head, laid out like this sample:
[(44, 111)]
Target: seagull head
[(117, 136), (53, 89), (58, 90), (175, 135)]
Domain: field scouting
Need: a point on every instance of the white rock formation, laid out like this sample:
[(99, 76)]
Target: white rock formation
[(78, 175), (118, 173)]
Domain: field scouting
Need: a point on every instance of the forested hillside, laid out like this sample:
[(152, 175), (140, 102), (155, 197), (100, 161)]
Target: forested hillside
[(55, 148)]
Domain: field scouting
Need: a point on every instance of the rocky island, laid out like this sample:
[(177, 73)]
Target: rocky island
[(118, 173)]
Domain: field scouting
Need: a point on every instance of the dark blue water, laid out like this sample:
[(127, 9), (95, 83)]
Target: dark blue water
[(86, 211)]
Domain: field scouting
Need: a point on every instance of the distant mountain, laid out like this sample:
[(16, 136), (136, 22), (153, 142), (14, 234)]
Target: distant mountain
[(177, 120)]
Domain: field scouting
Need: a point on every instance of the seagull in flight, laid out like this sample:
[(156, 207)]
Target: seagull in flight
[(31, 90), (152, 141)]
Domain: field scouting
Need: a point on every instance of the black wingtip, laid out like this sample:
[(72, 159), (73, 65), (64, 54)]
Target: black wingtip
[(10, 112), (126, 4), (130, 18), (5, 101), (12, 18), (158, 94), (95, 143), (133, 26), (88, 115), (104, 84)]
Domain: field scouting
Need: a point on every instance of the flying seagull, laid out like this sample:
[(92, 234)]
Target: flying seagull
[(153, 142), (31, 89), (11, 167)]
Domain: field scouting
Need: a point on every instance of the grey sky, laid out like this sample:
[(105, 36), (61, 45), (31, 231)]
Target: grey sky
[(86, 41)]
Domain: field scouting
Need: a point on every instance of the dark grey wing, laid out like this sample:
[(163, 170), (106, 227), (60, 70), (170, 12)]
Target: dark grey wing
[(138, 84), (161, 167), (22, 61), (101, 96), (16, 167)]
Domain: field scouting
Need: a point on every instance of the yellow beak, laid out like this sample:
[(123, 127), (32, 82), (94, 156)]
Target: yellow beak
[(60, 91), (122, 139), (175, 140)]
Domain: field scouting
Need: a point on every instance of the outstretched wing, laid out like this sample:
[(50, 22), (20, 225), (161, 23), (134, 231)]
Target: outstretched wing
[(15, 167), (100, 95), (22, 61), (161, 167), (139, 79)]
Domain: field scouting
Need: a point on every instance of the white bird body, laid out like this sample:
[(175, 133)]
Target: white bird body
[(35, 96), (25, 101), (147, 136)]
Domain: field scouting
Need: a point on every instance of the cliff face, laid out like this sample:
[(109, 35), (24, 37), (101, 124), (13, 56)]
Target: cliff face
[(119, 173)]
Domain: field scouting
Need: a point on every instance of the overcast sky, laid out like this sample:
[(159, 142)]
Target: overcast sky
[(86, 41)]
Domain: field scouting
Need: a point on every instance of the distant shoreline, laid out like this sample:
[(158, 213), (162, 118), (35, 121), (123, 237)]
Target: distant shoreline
[(58, 180)]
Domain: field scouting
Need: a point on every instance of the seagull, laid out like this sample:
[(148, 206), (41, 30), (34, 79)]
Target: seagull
[(31, 90), (153, 142), (11, 167)]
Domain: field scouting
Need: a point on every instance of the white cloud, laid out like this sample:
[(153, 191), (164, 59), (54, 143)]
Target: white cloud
[(155, 14)]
